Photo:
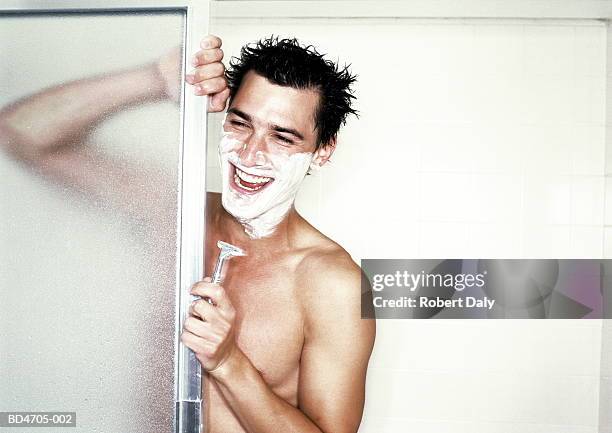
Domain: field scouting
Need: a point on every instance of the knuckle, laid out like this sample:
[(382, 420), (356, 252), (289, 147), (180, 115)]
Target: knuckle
[(201, 57), (219, 69), (213, 56), (208, 56), (222, 84), (211, 71), (211, 41), (198, 307), (199, 284), (200, 74)]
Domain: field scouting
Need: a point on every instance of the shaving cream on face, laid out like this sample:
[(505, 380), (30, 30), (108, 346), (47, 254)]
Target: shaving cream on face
[(261, 211)]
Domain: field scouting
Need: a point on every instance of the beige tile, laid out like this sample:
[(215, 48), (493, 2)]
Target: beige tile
[(547, 199), (587, 200), (546, 49), (478, 397), (515, 347), (397, 425), (588, 149), (587, 242), (543, 241)]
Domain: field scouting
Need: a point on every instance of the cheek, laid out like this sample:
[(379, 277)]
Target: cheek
[(280, 162), (230, 143), (292, 168)]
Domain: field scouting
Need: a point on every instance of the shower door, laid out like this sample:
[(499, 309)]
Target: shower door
[(102, 156)]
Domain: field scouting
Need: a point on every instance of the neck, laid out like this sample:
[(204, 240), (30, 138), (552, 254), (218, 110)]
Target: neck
[(234, 232)]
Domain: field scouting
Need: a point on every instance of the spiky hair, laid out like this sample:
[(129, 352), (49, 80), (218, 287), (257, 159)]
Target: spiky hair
[(286, 62)]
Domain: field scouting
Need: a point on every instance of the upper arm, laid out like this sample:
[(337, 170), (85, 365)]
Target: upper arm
[(337, 348)]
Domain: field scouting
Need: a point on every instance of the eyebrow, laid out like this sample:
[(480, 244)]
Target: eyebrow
[(239, 113), (276, 128), (287, 130)]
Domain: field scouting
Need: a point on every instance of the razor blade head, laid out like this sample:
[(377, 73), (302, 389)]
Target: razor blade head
[(229, 250)]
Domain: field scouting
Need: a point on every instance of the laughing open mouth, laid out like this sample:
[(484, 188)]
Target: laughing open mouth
[(248, 183)]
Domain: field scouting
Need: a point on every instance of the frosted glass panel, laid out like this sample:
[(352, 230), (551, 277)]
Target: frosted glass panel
[(90, 133)]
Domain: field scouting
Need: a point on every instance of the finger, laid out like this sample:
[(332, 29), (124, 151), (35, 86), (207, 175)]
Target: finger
[(197, 314), (212, 291), (209, 87), (206, 311), (210, 41), (201, 329), (194, 313), (206, 72), (218, 101), (192, 341), (205, 57)]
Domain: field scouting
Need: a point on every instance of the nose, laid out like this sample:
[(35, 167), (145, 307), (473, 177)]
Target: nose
[(254, 150)]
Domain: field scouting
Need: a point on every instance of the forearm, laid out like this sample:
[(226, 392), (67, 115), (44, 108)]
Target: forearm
[(254, 403), (64, 114)]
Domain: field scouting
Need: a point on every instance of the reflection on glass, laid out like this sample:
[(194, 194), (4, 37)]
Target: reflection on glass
[(89, 151)]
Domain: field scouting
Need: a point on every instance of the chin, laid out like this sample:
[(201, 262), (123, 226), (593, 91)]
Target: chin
[(241, 207)]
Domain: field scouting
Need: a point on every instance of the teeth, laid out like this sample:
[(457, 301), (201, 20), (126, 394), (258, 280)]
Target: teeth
[(251, 178), (237, 182)]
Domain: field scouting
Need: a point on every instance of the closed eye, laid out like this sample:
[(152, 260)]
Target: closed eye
[(238, 123), (284, 139)]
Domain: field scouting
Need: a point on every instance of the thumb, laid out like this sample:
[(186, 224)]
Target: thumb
[(217, 102)]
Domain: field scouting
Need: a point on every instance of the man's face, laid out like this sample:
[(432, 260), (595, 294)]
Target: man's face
[(268, 145)]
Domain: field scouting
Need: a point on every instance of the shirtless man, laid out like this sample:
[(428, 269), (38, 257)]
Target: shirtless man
[(283, 341)]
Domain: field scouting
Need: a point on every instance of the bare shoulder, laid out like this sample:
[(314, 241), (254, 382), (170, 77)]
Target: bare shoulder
[(329, 284), (328, 263), (323, 259), (328, 278)]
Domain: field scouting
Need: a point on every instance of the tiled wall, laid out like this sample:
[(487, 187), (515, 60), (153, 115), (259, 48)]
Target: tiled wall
[(475, 139), (605, 402)]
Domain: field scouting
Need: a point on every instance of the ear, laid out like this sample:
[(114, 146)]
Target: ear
[(322, 154)]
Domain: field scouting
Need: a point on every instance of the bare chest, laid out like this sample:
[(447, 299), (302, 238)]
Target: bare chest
[(269, 322)]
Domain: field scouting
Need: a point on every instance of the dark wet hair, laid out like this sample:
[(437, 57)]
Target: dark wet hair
[(287, 63)]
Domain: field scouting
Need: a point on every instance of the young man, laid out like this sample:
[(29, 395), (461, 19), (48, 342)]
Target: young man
[(283, 342)]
